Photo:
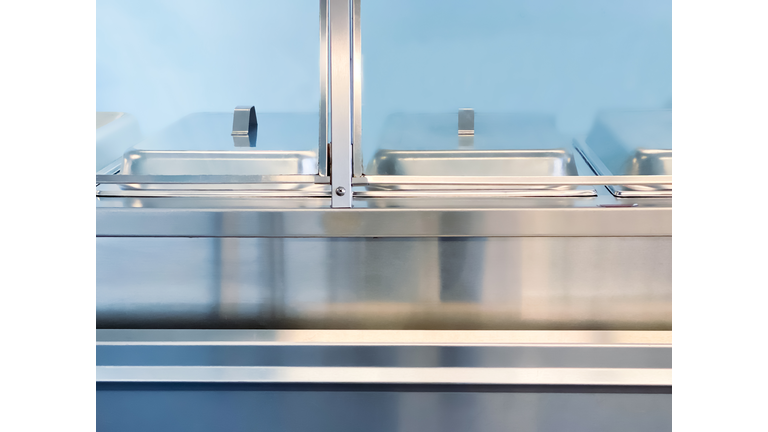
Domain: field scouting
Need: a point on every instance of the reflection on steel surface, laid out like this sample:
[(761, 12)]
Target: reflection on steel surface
[(443, 218), (417, 283)]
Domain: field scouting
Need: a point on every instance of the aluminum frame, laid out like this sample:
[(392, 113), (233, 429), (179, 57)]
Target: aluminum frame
[(323, 142), (340, 37), (357, 92)]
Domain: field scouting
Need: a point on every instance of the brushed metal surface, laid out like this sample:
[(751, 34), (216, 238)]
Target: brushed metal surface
[(443, 218), (417, 283)]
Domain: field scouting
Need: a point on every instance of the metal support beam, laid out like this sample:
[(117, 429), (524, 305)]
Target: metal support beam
[(322, 147), (340, 36), (357, 90)]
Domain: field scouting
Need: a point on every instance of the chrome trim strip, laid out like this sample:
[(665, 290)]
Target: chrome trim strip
[(474, 193), (387, 375), (512, 180), (384, 222), (388, 180), (210, 179), (154, 193)]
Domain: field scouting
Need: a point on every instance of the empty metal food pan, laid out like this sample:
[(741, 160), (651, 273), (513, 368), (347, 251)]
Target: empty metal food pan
[(154, 162), (201, 144), (557, 162), (254, 162)]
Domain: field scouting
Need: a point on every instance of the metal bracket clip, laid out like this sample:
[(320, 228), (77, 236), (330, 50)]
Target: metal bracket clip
[(466, 128), (244, 126)]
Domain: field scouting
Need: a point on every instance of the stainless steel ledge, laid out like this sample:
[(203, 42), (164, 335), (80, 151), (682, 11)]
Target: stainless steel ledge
[(390, 180), (385, 222)]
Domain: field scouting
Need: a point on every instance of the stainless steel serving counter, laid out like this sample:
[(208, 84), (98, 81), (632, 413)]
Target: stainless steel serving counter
[(532, 301), (515, 263), (253, 274)]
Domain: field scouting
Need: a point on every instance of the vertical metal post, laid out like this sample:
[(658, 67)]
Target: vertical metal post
[(322, 149), (357, 89), (340, 25)]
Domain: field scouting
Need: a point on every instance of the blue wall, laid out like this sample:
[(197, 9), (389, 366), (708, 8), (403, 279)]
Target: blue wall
[(160, 60), (568, 59)]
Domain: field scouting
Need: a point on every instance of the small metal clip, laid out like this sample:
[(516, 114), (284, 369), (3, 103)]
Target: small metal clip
[(466, 128), (244, 126)]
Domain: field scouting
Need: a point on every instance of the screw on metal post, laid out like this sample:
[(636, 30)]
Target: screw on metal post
[(340, 191)]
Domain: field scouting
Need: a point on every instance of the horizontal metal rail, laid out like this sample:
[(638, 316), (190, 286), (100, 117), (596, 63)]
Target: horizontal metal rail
[(478, 192), (629, 180), (210, 179), (388, 375), (213, 194)]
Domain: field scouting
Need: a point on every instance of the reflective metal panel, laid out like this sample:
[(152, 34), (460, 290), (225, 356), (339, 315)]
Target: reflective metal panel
[(398, 218), (418, 283)]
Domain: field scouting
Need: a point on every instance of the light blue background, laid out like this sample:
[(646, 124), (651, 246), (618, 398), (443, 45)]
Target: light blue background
[(162, 59), (564, 59)]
